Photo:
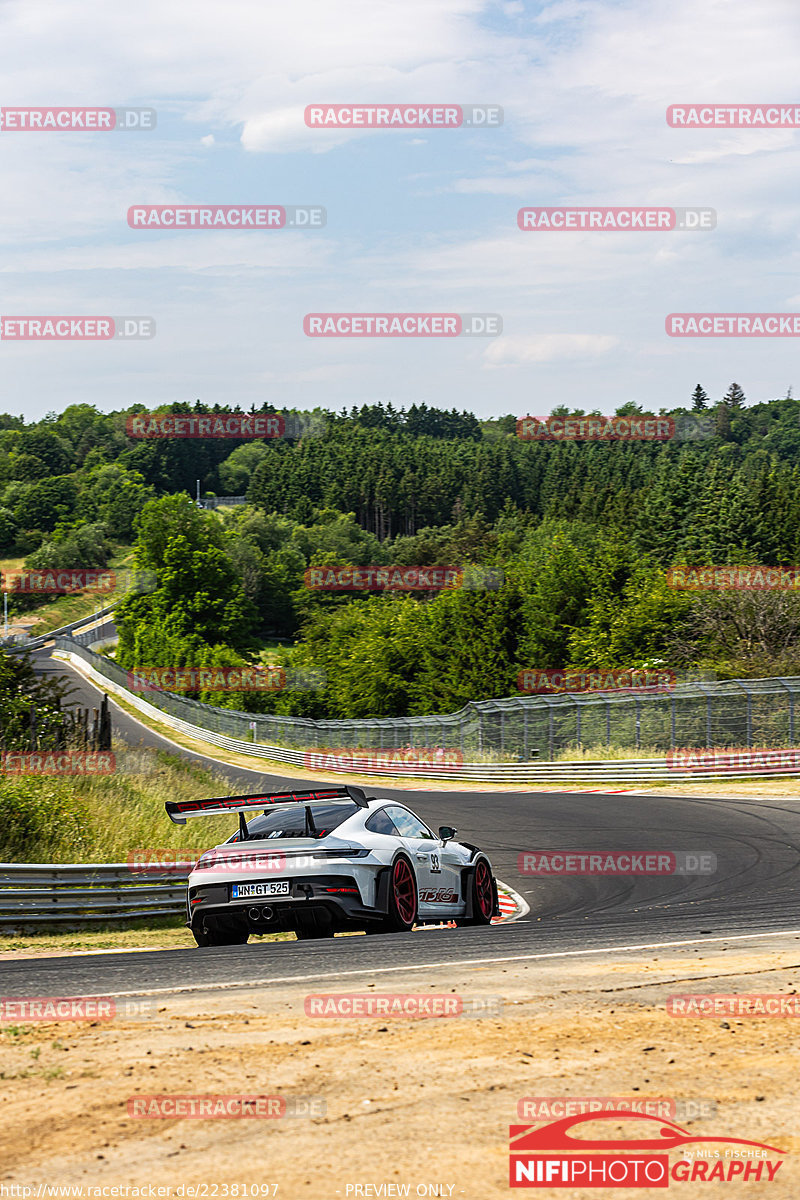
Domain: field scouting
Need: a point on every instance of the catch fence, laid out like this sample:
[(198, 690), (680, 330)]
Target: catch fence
[(737, 713)]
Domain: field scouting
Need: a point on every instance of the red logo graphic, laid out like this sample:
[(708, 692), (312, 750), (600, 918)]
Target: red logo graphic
[(34, 582), (596, 218), (595, 429), (58, 762), (402, 116), (211, 425), (735, 762), (554, 679), (57, 1008), (753, 1004), (169, 1107), (391, 579), (400, 1004), (407, 759), (733, 116), (207, 679), (552, 1157), (733, 325), (724, 579)]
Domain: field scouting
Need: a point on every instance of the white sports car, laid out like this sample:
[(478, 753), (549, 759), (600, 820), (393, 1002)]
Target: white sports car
[(335, 860)]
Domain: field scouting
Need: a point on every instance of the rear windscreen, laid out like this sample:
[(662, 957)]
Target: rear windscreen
[(290, 820)]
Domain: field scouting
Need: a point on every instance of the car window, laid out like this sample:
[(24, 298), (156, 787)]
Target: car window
[(290, 821), (381, 822), (407, 824)]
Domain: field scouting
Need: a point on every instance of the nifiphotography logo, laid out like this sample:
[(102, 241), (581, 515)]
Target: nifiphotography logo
[(553, 1156)]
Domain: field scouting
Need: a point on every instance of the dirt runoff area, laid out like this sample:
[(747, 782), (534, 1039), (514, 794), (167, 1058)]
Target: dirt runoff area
[(388, 1105)]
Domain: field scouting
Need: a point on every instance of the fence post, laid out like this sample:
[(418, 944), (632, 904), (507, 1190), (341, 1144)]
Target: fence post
[(638, 723), (577, 720), (749, 720), (608, 722), (672, 706), (525, 732)]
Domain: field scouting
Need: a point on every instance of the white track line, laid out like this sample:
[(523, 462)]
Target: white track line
[(467, 962)]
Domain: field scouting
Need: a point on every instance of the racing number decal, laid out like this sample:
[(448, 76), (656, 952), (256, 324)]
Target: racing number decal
[(435, 865)]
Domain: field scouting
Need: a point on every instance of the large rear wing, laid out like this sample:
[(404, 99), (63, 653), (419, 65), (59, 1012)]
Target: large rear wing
[(179, 811)]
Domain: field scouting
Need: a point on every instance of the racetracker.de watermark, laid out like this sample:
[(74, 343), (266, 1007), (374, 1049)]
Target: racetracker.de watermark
[(625, 220), (409, 760), (403, 579), (617, 862), (58, 762), (207, 679), (403, 116), (91, 579), (553, 679), (733, 324), (227, 216), (29, 1010), (757, 761), (237, 1107), (596, 429), (402, 324), (734, 116), (206, 425), (553, 1108), (181, 862), (225, 679), (76, 329), (95, 120), (745, 1004), (753, 578), (408, 1005)]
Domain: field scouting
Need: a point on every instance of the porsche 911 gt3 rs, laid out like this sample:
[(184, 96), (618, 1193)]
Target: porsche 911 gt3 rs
[(329, 859)]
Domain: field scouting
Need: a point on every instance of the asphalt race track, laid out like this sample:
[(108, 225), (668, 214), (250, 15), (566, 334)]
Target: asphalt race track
[(756, 889)]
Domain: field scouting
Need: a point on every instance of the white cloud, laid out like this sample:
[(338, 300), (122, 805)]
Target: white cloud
[(548, 348)]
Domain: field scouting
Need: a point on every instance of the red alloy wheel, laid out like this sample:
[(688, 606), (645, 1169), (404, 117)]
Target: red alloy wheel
[(405, 892), (484, 890)]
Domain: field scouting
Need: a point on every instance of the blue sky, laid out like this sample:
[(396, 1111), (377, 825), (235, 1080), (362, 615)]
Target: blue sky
[(416, 221)]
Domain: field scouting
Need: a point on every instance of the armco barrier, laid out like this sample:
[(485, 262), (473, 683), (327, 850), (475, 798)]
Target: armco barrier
[(35, 894), (63, 631), (108, 676)]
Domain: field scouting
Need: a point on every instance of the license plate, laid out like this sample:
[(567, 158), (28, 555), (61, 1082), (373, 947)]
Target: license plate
[(274, 887)]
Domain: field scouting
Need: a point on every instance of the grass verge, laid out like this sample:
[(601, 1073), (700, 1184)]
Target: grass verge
[(166, 934)]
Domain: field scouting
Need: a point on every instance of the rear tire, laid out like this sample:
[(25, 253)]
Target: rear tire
[(403, 899)]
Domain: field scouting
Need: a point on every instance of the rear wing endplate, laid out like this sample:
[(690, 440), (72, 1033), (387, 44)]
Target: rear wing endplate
[(179, 811)]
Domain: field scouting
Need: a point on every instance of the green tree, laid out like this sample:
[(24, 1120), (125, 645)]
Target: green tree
[(700, 399)]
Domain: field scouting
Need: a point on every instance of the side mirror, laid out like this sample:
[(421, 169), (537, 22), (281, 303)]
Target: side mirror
[(446, 832)]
